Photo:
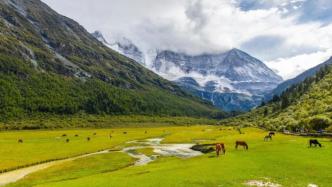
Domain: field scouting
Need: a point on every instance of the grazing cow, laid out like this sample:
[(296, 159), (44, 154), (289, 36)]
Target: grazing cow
[(64, 135), (220, 147), (76, 135), (272, 134), (314, 142), (241, 143), (67, 140), (88, 138), (20, 141), (268, 138), (95, 134), (124, 132)]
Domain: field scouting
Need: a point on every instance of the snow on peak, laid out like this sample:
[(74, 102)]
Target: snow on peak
[(123, 46), (232, 80)]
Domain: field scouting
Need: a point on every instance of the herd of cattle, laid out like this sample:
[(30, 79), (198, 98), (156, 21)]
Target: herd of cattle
[(219, 147)]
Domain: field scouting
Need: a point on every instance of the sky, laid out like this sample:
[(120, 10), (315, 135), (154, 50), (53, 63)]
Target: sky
[(290, 36)]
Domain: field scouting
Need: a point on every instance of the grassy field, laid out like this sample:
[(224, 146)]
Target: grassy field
[(286, 160)]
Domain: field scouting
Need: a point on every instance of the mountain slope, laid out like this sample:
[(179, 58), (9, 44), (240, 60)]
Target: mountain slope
[(283, 86), (232, 81), (235, 65), (51, 64), (304, 106)]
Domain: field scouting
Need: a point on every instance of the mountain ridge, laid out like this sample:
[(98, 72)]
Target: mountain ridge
[(233, 73), (46, 55), (242, 79), (303, 107), (288, 83)]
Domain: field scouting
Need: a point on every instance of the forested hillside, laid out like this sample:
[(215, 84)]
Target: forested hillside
[(305, 106), (50, 64)]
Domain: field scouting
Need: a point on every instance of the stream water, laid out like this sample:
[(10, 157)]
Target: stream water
[(178, 150)]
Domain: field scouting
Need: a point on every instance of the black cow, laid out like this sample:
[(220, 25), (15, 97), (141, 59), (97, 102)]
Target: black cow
[(315, 143), (272, 134)]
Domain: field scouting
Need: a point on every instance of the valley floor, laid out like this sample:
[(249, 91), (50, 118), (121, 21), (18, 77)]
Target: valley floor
[(285, 161)]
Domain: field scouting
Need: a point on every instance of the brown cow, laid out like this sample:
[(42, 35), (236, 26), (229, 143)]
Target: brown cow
[(241, 143), (220, 147)]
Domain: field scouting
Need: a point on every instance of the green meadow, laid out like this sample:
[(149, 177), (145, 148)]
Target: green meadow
[(287, 160)]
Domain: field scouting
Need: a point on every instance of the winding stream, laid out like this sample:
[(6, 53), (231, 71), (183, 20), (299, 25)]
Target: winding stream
[(178, 150)]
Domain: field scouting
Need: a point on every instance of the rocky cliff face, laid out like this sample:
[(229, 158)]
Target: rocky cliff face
[(232, 80), (234, 65)]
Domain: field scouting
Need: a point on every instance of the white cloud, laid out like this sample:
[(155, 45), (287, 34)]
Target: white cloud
[(290, 67), (207, 26)]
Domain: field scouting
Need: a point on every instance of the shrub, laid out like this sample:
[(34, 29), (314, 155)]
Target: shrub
[(329, 129), (320, 122)]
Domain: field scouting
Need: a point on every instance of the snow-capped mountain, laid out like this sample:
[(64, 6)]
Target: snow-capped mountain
[(99, 36), (124, 47), (234, 65), (232, 81)]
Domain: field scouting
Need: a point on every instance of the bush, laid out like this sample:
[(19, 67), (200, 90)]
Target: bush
[(329, 129), (320, 122)]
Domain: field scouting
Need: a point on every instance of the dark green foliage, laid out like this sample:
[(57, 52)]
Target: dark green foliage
[(320, 122), (305, 106), (51, 65), (292, 94), (266, 112), (45, 121)]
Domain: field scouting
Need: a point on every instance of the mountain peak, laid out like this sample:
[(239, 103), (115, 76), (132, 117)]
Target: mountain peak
[(123, 46), (236, 50), (240, 53), (99, 36)]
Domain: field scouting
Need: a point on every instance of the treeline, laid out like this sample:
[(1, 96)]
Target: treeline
[(292, 94), (304, 107), (44, 121)]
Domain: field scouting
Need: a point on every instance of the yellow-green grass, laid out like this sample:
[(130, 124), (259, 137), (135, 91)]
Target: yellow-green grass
[(286, 160), (40, 146), (79, 168), (146, 151), (44, 145)]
